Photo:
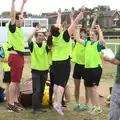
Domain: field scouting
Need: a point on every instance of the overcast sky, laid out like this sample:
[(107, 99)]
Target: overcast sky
[(39, 6)]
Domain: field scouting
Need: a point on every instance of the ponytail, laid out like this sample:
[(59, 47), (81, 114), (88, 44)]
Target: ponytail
[(49, 40)]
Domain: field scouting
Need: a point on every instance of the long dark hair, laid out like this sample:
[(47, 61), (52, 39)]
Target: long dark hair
[(54, 32), (49, 40)]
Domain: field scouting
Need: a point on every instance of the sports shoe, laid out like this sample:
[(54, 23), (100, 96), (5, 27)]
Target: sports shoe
[(96, 111), (84, 107), (59, 110), (76, 107), (37, 111), (42, 110), (12, 108), (19, 106)]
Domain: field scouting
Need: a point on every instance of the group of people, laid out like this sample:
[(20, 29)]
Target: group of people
[(55, 56)]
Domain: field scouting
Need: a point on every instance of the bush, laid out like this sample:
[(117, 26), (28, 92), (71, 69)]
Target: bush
[(111, 32)]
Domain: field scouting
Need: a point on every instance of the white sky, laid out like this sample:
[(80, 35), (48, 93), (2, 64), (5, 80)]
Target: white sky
[(39, 6)]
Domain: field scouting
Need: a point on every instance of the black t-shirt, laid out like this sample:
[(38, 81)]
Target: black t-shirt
[(12, 29), (66, 36)]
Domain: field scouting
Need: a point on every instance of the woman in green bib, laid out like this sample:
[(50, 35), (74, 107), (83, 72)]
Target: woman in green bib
[(61, 47), (93, 66), (78, 57)]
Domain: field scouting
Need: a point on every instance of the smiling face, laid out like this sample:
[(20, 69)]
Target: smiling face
[(93, 35), (39, 37)]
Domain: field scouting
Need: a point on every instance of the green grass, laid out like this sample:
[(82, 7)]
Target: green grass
[(52, 115)]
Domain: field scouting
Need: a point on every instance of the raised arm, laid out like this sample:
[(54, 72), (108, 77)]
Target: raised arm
[(22, 7), (71, 17), (71, 20), (101, 38), (94, 21), (58, 21), (76, 21), (33, 33), (12, 13), (77, 36)]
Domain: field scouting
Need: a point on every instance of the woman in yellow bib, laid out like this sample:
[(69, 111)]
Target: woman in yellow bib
[(78, 57), (61, 47), (93, 66)]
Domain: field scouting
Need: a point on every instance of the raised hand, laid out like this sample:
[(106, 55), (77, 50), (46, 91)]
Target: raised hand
[(94, 15), (83, 8), (24, 1), (97, 27), (59, 10), (13, 0), (71, 14)]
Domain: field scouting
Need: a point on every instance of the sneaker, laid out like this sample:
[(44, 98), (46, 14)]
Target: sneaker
[(91, 109), (38, 111), (96, 111), (8, 109), (20, 107), (35, 112), (76, 107), (59, 110), (85, 107), (42, 110), (12, 108)]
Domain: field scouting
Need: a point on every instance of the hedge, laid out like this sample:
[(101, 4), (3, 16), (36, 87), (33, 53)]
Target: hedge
[(111, 32)]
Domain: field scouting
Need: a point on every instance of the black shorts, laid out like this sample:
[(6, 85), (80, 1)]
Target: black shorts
[(6, 77), (92, 76), (78, 72), (61, 71)]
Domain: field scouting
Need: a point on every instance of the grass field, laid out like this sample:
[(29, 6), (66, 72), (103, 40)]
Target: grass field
[(107, 81)]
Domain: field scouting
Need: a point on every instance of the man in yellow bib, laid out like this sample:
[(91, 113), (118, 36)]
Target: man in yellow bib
[(39, 66), (16, 57)]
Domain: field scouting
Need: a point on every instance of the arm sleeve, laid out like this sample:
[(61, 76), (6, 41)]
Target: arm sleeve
[(12, 28), (66, 36), (100, 47), (85, 42), (47, 49), (30, 46), (2, 52)]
